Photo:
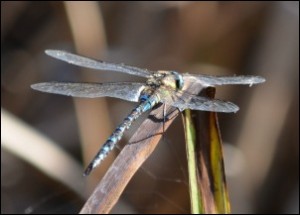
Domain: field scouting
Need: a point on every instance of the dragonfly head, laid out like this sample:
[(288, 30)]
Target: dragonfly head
[(178, 80)]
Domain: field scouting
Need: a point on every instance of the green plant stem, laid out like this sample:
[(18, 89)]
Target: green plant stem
[(195, 194)]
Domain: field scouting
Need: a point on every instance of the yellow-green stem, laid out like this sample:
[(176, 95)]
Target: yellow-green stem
[(190, 136)]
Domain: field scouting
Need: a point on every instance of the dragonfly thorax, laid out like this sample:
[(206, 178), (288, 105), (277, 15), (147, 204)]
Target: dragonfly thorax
[(171, 79), (157, 85)]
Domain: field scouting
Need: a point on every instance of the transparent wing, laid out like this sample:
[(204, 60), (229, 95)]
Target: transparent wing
[(95, 64), (122, 90), (208, 80), (183, 100)]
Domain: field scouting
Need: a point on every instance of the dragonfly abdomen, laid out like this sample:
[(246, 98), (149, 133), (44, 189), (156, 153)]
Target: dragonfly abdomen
[(116, 136)]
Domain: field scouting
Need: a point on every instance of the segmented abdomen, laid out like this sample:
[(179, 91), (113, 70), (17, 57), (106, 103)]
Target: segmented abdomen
[(147, 102)]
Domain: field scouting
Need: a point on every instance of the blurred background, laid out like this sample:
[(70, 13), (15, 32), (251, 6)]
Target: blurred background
[(47, 140)]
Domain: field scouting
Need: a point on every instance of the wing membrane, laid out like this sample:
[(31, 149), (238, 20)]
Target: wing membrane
[(208, 80), (122, 90), (183, 100), (96, 64)]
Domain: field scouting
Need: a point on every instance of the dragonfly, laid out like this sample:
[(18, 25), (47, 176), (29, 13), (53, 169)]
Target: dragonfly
[(161, 86)]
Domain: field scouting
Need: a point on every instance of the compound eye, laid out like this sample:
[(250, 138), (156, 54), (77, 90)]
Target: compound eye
[(178, 80)]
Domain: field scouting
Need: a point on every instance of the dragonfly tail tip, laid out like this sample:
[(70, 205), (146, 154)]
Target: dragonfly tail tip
[(87, 171)]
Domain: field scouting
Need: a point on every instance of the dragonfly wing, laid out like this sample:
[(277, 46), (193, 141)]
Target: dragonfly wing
[(208, 80), (184, 100), (96, 64), (122, 90)]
